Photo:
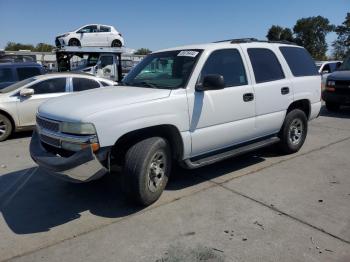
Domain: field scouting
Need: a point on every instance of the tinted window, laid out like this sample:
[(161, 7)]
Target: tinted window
[(6, 75), (299, 60), (89, 29), (105, 29), (81, 84), (265, 65), (26, 72), (56, 85), (228, 63), (106, 60)]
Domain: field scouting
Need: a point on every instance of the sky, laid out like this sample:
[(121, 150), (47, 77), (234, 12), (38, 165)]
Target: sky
[(158, 24)]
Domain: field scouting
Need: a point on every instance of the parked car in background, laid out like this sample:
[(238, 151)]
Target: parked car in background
[(325, 68), (91, 35), (19, 102), (194, 105), (14, 72), (337, 90), (127, 65)]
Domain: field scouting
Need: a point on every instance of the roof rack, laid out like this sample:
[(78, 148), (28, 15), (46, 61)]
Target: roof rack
[(252, 40)]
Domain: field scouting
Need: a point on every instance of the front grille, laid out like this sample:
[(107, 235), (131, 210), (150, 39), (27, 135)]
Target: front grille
[(48, 124), (342, 84), (50, 140)]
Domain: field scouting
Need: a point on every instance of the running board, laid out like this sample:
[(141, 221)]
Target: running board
[(207, 160)]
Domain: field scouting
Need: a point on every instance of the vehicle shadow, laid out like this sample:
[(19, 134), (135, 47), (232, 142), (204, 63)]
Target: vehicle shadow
[(18, 135), (32, 201)]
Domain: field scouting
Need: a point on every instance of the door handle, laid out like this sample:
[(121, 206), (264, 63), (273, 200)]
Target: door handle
[(284, 90), (248, 97)]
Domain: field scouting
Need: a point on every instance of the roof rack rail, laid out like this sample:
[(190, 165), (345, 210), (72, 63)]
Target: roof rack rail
[(252, 40)]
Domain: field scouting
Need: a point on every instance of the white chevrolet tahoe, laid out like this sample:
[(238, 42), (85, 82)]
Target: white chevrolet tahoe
[(195, 105)]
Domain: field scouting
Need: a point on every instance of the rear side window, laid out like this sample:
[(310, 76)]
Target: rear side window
[(55, 85), (265, 65), (6, 75), (299, 61), (81, 84), (228, 63), (26, 72), (105, 29)]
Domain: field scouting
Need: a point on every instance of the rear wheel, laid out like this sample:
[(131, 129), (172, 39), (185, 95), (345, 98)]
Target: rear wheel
[(146, 170), (293, 132), (116, 43), (74, 42), (5, 127), (332, 106)]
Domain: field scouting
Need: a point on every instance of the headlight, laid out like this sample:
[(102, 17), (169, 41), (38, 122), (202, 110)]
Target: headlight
[(78, 128), (64, 35), (331, 83)]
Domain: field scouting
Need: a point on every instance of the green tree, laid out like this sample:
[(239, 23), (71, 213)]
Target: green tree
[(311, 33), (143, 51), (278, 33), (12, 46), (42, 47), (341, 46)]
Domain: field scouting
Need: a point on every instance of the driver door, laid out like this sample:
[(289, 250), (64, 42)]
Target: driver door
[(225, 117), (27, 107), (89, 36)]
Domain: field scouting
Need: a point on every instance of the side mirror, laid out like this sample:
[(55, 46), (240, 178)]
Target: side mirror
[(211, 82), (26, 92)]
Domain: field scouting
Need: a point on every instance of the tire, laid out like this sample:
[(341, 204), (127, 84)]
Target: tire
[(5, 127), (116, 43), (74, 42), (332, 107), (142, 183), (293, 132)]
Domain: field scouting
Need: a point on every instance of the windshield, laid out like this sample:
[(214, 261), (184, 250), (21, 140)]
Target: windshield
[(166, 70), (345, 66), (17, 85)]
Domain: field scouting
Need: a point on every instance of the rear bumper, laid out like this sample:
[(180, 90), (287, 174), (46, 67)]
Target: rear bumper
[(334, 98), (83, 166)]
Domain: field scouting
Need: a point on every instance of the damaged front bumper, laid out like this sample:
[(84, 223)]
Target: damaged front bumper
[(82, 166)]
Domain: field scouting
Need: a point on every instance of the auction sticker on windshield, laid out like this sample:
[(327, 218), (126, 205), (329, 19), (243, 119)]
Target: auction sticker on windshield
[(188, 53)]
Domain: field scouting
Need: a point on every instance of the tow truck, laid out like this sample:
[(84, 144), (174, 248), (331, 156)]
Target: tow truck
[(100, 61)]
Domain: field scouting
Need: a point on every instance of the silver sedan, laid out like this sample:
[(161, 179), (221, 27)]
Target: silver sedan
[(20, 101)]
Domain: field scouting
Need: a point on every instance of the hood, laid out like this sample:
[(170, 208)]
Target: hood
[(76, 107), (339, 75), (63, 35)]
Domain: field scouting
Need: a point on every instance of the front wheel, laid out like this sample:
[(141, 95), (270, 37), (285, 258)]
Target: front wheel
[(293, 132), (146, 170), (5, 127)]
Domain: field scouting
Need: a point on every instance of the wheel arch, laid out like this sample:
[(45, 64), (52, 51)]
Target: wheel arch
[(302, 104), (170, 132)]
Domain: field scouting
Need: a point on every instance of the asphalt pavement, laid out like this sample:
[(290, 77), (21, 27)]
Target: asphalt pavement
[(262, 206)]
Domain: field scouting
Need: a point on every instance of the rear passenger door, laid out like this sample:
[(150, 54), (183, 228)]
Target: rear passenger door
[(272, 87), (82, 84), (225, 117)]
